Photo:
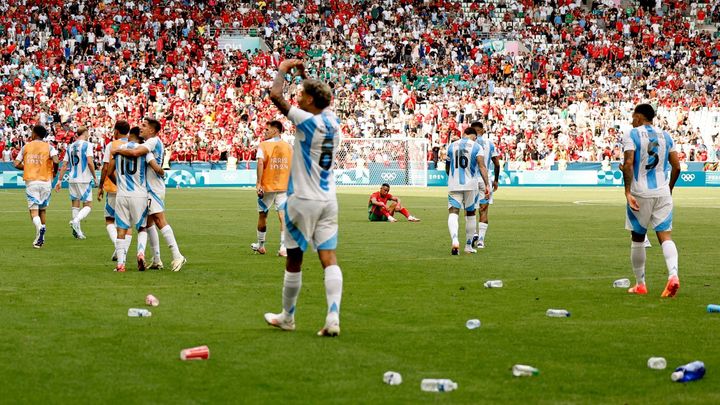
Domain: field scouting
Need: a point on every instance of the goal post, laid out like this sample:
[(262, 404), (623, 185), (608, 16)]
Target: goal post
[(374, 161)]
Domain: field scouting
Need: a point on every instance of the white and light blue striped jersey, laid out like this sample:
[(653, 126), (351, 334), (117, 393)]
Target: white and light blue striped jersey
[(651, 167), (462, 160), (155, 183), (316, 142), (131, 174), (76, 158)]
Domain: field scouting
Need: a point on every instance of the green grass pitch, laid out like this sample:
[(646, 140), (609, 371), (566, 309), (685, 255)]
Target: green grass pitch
[(65, 336)]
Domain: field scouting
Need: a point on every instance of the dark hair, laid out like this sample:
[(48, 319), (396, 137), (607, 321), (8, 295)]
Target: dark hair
[(277, 125), (470, 131), (645, 110), (385, 185), (40, 131), (122, 126), (134, 131), (155, 124), (319, 91), (477, 124)]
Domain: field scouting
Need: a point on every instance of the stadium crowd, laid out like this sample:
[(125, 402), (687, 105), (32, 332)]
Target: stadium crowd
[(406, 67)]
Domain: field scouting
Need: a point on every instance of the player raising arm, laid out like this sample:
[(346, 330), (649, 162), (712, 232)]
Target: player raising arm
[(311, 211), (650, 171)]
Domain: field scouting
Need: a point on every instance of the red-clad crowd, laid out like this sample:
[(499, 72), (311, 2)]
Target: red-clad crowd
[(551, 79)]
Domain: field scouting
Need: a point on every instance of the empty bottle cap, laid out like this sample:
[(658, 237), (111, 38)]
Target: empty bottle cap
[(678, 375)]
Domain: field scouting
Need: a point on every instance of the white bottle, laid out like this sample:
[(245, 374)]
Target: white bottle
[(139, 313), (493, 284), (438, 385), (472, 323), (557, 313), (392, 378), (657, 363), (621, 283), (521, 370)]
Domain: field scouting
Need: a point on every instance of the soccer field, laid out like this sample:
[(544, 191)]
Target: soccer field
[(66, 336)]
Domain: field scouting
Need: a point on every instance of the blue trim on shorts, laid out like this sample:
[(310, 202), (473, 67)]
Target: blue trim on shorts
[(666, 224), (142, 220), (454, 203), (158, 199), (637, 228), (330, 244), (120, 224), (86, 194), (262, 205), (295, 233), (110, 210)]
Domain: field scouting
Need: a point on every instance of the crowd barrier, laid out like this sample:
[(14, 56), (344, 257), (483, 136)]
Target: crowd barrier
[(217, 175)]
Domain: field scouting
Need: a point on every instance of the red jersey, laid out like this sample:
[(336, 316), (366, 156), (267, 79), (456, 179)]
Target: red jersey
[(375, 209)]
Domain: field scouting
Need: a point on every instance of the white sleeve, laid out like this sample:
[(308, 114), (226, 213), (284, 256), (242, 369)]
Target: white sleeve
[(150, 156), (627, 141), (150, 144), (106, 157), (259, 154), (20, 155), (53, 151), (90, 150)]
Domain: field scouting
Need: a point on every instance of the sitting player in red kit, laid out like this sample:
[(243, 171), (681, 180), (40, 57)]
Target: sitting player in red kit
[(382, 205)]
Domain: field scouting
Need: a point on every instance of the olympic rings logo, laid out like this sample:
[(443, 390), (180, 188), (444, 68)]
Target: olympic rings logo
[(688, 177), (388, 176)]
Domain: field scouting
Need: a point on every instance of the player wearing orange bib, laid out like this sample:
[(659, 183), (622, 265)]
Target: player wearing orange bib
[(120, 134), (273, 172), (38, 159)]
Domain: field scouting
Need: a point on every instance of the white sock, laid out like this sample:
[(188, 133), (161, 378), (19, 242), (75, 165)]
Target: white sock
[(38, 223), (154, 242), (482, 229), (170, 240), (637, 258), (142, 241), (470, 229), (121, 248), (291, 290), (84, 212), (75, 212), (671, 257), (333, 290), (112, 232), (261, 238), (453, 227)]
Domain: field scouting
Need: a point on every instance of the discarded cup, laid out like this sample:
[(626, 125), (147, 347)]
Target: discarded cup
[(392, 378), (472, 324), (522, 370), (493, 284), (139, 313), (657, 363), (621, 283), (713, 308), (195, 353), (152, 300), (557, 313)]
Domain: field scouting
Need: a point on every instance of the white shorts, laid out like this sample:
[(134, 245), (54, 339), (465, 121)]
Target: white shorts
[(655, 211), (310, 221), (38, 194), (130, 212), (110, 205), (277, 198), (81, 192), (157, 202), (481, 193), (464, 199)]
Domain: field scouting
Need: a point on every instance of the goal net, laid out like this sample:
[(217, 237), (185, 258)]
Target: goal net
[(374, 161)]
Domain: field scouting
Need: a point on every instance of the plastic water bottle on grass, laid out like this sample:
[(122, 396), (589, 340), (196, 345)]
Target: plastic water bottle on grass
[(657, 363), (392, 378), (472, 324), (713, 308), (689, 372), (521, 370), (622, 283), (139, 313), (438, 385), (493, 284), (557, 313)]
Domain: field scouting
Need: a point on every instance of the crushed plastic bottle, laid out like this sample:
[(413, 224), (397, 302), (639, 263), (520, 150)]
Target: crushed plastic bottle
[(437, 385), (657, 363), (139, 313), (713, 308), (522, 370), (622, 283), (472, 324), (493, 284), (392, 378), (689, 372), (557, 313)]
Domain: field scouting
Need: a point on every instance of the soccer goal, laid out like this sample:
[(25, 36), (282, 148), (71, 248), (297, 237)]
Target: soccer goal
[(374, 161)]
